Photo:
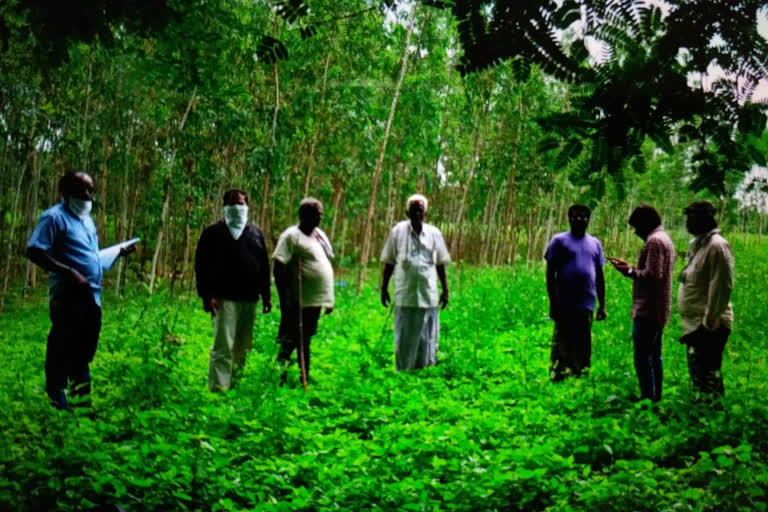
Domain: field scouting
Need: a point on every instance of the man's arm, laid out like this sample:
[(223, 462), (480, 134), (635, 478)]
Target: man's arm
[(283, 283), (720, 260), (265, 287), (202, 270), (386, 275), (41, 241), (444, 285), (654, 264), (389, 258), (600, 285), (43, 260), (552, 290)]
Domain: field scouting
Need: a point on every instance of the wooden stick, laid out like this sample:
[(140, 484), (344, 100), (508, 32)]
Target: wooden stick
[(302, 360)]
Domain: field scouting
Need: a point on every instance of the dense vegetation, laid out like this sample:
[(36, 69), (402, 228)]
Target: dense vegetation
[(503, 113), (483, 430)]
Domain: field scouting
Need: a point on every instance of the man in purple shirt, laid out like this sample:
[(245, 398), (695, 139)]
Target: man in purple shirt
[(574, 280), (651, 296)]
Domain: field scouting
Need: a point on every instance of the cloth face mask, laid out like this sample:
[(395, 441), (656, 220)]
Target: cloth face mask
[(80, 207), (236, 217)]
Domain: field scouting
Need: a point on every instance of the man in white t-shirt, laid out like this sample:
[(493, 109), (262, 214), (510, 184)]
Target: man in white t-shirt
[(304, 280), (416, 254)]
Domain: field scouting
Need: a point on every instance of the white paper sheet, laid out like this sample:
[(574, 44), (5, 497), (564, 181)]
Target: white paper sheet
[(108, 255)]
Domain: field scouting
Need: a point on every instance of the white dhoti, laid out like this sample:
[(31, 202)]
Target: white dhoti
[(417, 333), (232, 338)]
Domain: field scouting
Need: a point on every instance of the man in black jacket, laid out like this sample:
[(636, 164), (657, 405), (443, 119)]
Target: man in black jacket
[(232, 272)]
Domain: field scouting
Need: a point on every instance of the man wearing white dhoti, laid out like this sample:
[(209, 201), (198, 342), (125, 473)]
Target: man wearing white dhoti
[(416, 254)]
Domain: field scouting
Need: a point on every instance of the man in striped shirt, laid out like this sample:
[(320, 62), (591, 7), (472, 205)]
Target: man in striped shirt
[(651, 296)]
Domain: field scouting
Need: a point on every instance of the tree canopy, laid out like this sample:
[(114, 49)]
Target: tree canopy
[(502, 113), (638, 85)]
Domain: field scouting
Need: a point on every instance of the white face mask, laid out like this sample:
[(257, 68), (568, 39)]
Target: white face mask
[(80, 207), (236, 217)]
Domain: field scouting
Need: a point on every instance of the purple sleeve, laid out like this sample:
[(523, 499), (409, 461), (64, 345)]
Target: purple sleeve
[(599, 257), (549, 254)]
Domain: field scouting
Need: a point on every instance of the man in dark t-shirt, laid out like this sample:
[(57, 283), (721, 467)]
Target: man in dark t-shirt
[(232, 273)]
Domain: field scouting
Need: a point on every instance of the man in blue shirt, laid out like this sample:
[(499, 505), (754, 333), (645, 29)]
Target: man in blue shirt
[(574, 280), (65, 244)]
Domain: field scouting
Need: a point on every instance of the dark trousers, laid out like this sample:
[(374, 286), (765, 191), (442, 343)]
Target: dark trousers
[(288, 333), (646, 335), (75, 327), (705, 357), (571, 345)]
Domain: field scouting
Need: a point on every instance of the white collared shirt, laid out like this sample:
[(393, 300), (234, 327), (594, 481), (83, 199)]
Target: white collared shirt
[(415, 258)]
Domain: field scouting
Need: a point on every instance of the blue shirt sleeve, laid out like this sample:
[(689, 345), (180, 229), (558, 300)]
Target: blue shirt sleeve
[(108, 258), (44, 235)]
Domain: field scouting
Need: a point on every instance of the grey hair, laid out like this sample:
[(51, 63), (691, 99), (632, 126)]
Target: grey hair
[(309, 202), (417, 197)]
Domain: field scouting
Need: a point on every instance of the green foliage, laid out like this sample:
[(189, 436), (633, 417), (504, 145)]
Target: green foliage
[(53, 25), (483, 430), (636, 86)]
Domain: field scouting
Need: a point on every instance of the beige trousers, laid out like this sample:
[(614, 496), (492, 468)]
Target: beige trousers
[(232, 338)]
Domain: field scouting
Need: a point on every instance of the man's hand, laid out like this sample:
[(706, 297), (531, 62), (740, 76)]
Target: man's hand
[(693, 338), (622, 266), (444, 299), (125, 251), (385, 299), (328, 311), (266, 306), (601, 314), (213, 306), (78, 279)]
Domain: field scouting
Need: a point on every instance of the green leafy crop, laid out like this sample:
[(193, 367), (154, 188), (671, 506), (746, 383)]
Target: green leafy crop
[(483, 430)]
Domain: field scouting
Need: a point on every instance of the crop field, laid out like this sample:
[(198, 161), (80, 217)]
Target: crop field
[(483, 430)]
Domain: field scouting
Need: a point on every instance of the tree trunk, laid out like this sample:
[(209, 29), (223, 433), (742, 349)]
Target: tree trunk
[(479, 135), (264, 220), (9, 246), (160, 231), (187, 213), (167, 196), (84, 159), (318, 122), (338, 192), (30, 274), (366, 245), (343, 243), (6, 192), (390, 217), (491, 233), (531, 234), (264, 205), (122, 225), (102, 218)]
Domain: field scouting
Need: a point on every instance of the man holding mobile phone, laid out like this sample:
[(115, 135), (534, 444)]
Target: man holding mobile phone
[(651, 296)]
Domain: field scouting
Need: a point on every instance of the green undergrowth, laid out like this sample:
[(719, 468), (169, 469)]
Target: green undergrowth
[(483, 430)]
